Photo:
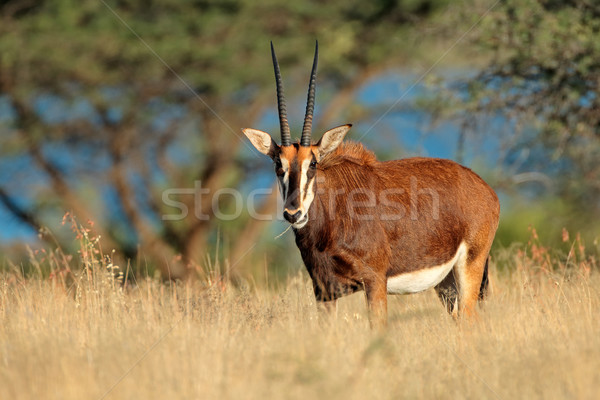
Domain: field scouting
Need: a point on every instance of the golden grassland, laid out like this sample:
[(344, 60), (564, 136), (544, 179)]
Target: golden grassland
[(78, 333)]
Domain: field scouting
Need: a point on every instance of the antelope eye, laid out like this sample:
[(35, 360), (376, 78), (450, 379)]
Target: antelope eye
[(278, 168), (313, 164)]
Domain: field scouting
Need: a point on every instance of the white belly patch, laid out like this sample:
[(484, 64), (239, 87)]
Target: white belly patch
[(417, 281)]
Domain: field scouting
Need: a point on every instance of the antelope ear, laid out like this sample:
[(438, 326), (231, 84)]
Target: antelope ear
[(262, 141), (332, 139)]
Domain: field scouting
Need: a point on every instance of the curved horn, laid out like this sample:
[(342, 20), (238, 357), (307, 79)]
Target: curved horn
[(286, 139), (310, 102)]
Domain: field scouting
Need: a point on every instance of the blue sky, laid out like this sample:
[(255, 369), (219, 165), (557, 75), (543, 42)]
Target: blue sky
[(402, 132)]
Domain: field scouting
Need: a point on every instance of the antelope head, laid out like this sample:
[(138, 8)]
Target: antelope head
[(296, 164)]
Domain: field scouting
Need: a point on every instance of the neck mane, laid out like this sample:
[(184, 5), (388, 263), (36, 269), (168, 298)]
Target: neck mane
[(348, 152)]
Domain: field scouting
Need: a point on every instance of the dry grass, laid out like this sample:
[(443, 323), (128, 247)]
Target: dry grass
[(77, 335)]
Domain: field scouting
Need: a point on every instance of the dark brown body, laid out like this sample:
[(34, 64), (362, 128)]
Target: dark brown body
[(407, 215), (399, 226)]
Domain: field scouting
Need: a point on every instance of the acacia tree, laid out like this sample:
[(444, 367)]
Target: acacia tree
[(105, 105), (544, 74)]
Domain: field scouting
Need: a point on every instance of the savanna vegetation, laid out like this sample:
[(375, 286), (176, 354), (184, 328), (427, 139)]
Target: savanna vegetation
[(114, 114), (73, 329)]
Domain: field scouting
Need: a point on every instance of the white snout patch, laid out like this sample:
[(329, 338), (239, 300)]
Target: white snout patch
[(418, 281), (301, 222)]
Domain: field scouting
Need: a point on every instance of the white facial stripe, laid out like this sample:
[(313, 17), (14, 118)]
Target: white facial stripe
[(303, 178), (307, 195), (310, 195), (284, 183), (305, 205), (417, 281)]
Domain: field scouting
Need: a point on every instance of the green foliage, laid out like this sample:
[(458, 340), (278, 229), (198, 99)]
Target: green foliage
[(112, 77), (101, 112), (218, 46), (545, 73), (549, 216)]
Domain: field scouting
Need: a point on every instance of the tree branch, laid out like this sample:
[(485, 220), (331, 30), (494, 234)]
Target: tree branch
[(149, 239), (27, 121), (22, 214)]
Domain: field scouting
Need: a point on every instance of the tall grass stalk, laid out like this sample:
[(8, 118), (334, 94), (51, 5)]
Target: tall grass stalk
[(75, 327)]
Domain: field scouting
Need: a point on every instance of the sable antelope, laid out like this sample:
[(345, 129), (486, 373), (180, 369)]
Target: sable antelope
[(395, 227)]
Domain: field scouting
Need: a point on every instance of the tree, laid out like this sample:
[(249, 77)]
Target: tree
[(544, 73), (106, 105)]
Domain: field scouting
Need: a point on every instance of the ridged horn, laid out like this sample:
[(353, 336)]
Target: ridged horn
[(286, 139), (310, 102)]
